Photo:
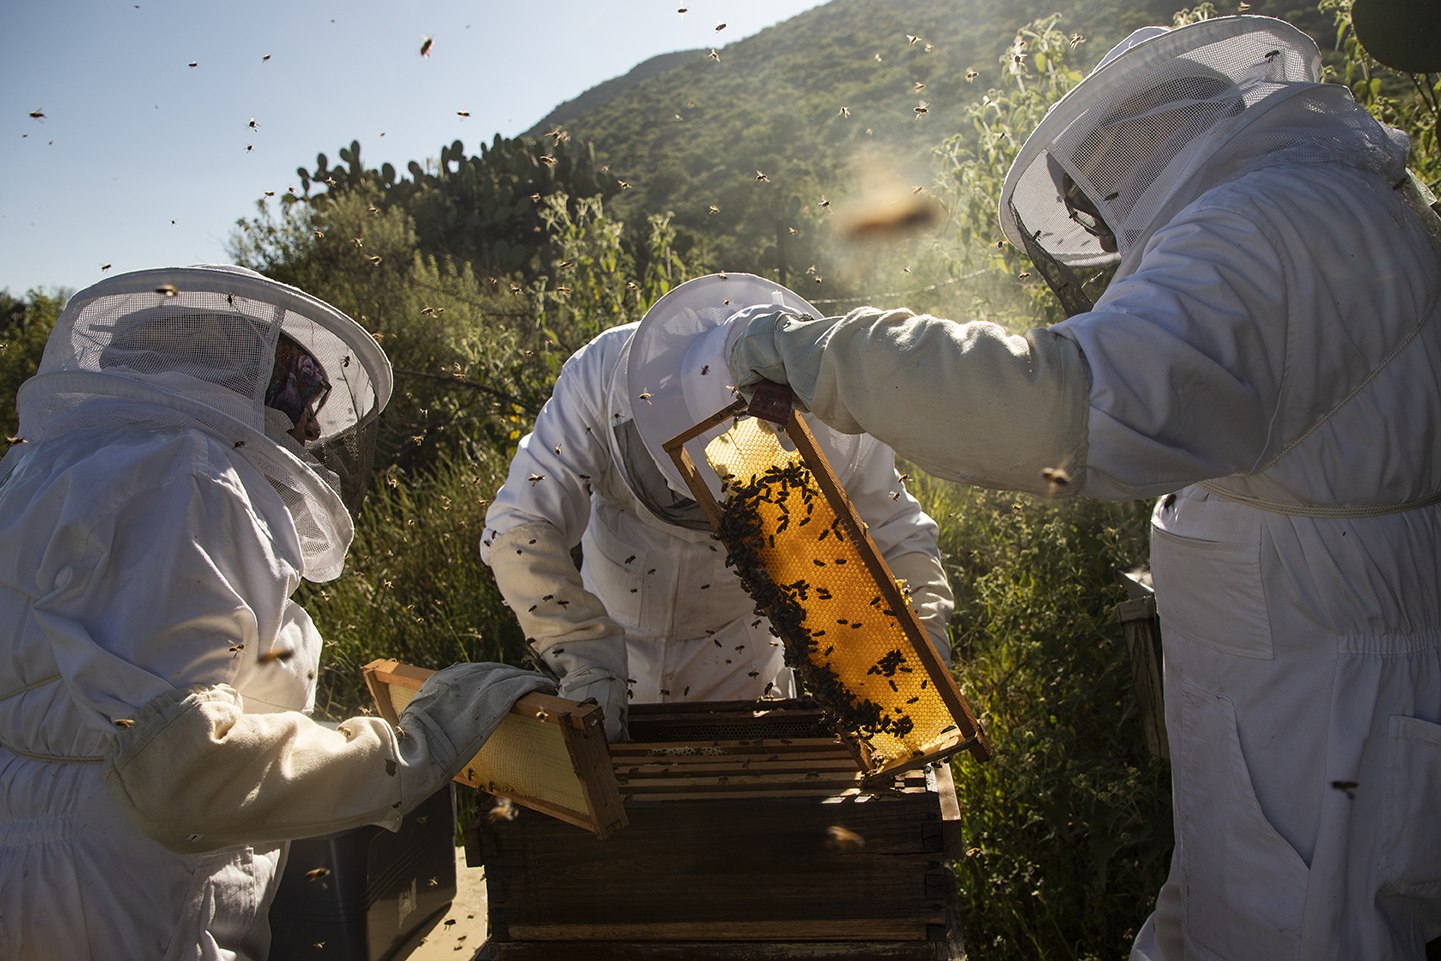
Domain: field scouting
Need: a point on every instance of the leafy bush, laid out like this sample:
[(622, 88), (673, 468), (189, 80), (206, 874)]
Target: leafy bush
[(1068, 825), (24, 327), (414, 587)]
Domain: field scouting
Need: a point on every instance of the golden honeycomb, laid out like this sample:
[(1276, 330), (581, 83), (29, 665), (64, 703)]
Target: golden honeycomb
[(806, 560)]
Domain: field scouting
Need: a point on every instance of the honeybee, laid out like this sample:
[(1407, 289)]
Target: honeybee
[(1056, 477), (504, 809)]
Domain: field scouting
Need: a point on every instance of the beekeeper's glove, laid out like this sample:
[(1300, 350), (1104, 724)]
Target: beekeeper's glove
[(196, 773), (595, 669), (758, 354), (454, 713)]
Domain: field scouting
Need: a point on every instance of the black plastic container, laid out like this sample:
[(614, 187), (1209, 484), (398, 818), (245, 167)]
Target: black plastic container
[(367, 894)]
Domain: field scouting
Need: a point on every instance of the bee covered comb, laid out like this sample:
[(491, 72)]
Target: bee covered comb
[(804, 555)]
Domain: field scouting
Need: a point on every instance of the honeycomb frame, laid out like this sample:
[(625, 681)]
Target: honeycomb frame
[(875, 718)]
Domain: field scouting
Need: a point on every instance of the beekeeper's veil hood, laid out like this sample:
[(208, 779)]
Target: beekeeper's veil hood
[(195, 347), (675, 373), (1126, 139)]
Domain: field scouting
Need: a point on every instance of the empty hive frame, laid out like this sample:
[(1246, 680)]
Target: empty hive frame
[(805, 557), (548, 754)]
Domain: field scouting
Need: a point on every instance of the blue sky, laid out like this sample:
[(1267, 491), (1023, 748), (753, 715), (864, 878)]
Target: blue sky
[(143, 160)]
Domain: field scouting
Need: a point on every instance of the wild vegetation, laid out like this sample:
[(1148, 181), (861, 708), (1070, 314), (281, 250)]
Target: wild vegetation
[(480, 273)]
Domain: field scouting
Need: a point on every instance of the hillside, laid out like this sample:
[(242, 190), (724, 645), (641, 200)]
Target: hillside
[(746, 145), (602, 93)]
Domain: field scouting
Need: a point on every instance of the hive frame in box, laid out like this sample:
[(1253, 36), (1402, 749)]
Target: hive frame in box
[(968, 735), (548, 754)]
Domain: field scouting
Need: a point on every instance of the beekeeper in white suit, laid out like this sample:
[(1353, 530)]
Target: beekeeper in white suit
[(155, 756), (1265, 358), (654, 613)]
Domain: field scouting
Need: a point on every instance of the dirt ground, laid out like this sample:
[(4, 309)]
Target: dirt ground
[(461, 934)]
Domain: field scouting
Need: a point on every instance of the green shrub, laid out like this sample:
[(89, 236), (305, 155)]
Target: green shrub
[(1068, 825), (414, 587), (24, 327)]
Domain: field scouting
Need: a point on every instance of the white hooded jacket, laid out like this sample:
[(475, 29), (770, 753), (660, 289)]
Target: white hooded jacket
[(1267, 359), (691, 630), (155, 756)]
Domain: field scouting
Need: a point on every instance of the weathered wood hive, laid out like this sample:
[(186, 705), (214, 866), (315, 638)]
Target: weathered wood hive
[(750, 835)]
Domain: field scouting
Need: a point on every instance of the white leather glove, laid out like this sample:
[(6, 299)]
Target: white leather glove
[(196, 773), (757, 355), (455, 712), (595, 669)]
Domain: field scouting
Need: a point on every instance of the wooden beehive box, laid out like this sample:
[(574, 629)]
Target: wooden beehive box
[(750, 836)]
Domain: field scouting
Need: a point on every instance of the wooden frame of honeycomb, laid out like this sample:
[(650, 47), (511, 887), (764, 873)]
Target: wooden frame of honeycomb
[(805, 556)]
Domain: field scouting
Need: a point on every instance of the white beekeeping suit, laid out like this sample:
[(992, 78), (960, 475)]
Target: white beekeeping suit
[(155, 756), (654, 603), (1265, 358)]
